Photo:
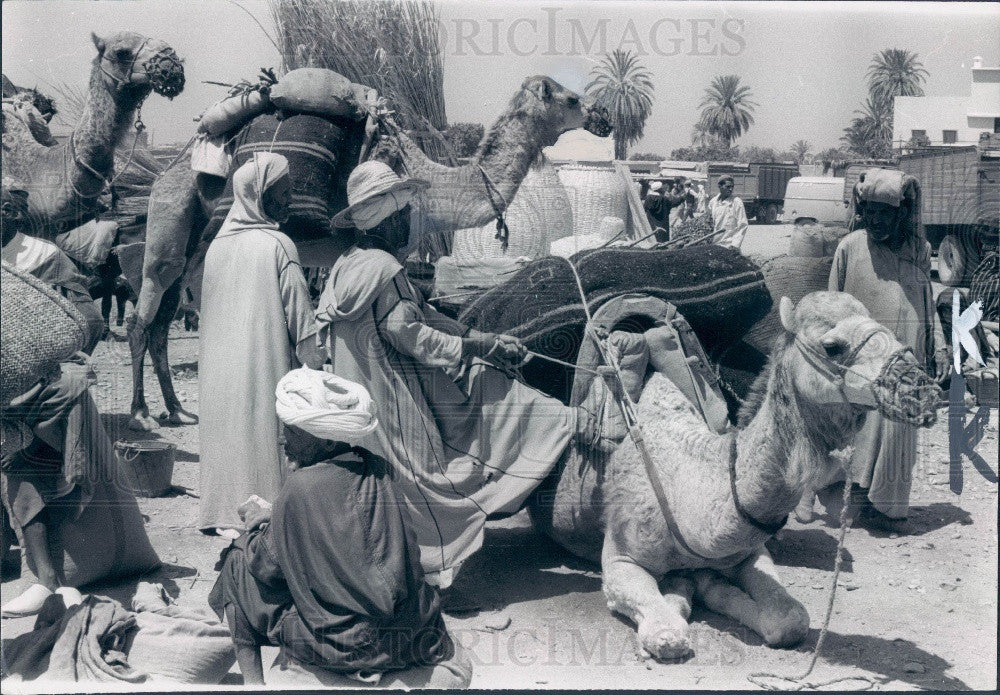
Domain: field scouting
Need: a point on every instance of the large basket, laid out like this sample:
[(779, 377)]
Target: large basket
[(39, 330), (539, 214), (594, 193)]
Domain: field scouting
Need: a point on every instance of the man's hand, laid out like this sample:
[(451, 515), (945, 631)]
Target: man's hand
[(477, 344), (510, 350), (254, 512)]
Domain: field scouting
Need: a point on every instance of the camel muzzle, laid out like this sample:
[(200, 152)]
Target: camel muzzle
[(904, 392), (598, 121), (165, 73)]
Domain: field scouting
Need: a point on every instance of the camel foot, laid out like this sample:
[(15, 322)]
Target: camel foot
[(142, 423), (180, 417), (804, 511), (665, 640)]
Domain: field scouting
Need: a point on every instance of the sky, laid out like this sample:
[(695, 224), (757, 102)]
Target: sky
[(805, 62)]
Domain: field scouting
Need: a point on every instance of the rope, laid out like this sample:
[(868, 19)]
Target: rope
[(799, 681)]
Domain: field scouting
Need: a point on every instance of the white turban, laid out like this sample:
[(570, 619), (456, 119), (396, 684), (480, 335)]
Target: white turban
[(325, 405)]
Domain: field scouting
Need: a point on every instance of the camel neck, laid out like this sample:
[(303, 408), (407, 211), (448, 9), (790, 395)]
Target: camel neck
[(773, 452), (509, 151), (103, 124)]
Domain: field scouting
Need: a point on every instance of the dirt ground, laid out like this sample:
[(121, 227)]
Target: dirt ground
[(912, 612)]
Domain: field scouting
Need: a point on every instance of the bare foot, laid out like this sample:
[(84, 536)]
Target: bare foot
[(181, 417), (142, 422)]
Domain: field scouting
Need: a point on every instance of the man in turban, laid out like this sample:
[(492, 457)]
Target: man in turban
[(331, 574), (886, 265)]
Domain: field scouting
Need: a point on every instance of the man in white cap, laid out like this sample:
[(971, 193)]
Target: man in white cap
[(331, 574), (465, 438)]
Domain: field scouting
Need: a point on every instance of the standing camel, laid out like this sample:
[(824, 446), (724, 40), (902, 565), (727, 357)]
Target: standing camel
[(182, 202), (65, 181), (729, 493)]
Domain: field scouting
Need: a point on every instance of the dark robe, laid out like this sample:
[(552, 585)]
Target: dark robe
[(335, 577)]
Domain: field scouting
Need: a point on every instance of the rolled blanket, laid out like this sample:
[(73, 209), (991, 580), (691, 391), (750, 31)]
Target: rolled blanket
[(325, 405), (720, 292)]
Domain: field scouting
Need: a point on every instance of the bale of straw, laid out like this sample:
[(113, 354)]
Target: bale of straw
[(594, 193)]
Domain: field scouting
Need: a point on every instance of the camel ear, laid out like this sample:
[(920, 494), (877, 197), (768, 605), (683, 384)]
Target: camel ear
[(787, 312), (98, 42), (543, 90)]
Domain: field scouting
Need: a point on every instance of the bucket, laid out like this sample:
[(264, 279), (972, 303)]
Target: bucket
[(145, 467)]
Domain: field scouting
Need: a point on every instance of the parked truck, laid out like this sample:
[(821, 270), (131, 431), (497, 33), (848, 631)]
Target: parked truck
[(961, 204), (760, 185)]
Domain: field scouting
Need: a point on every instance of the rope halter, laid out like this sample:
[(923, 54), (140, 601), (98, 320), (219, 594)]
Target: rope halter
[(902, 391)]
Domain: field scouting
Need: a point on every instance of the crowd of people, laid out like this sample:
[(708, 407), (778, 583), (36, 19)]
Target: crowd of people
[(681, 199), (353, 452)]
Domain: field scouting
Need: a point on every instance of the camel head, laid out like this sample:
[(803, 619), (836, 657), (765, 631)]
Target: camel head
[(840, 359), (132, 65), (554, 109)]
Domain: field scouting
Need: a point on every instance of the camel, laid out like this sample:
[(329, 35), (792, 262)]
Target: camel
[(65, 181), (714, 550), (182, 202)]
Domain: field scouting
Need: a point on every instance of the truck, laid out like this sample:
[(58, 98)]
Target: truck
[(760, 185), (960, 187)]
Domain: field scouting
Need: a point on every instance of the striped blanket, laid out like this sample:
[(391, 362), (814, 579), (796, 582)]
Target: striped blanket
[(720, 292), (321, 153)]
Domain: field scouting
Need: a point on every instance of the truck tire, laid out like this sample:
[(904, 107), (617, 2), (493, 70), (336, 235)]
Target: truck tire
[(770, 214), (951, 261)]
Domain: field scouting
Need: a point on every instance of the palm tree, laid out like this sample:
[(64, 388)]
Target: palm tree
[(726, 108), (895, 72), (800, 148), (625, 89), (870, 132)]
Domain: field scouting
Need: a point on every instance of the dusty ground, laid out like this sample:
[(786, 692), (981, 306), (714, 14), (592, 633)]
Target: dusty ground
[(916, 612)]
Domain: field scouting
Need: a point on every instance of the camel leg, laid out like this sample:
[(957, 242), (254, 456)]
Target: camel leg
[(138, 341), (757, 600), (158, 334), (660, 619)]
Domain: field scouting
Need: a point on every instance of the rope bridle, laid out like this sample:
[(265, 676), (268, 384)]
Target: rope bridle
[(503, 233)]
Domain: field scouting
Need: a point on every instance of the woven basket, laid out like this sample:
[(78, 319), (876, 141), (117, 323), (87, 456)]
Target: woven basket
[(40, 330), (594, 193), (539, 214)]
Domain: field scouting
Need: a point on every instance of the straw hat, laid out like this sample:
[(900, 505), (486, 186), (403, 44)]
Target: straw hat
[(368, 184)]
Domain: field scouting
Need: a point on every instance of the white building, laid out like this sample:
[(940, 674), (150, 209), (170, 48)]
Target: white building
[(951, 120)]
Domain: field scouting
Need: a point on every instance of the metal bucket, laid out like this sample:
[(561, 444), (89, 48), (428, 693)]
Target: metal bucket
[(146, 467)]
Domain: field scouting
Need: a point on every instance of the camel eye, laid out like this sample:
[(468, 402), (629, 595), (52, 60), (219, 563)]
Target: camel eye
[(572, 101), (834, 348), (123, 54)]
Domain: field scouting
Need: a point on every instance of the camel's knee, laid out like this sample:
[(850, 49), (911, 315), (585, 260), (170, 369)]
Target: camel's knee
[(784, 626)]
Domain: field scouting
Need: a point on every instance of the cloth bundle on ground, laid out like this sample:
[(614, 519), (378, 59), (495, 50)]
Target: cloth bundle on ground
[(101, 641), (720, 292), (321, 153), (40, 329)]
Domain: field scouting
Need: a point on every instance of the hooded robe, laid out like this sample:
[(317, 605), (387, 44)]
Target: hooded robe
[(256, 325), (465, 439)]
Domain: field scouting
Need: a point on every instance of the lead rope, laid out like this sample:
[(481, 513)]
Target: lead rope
[(799, 682)]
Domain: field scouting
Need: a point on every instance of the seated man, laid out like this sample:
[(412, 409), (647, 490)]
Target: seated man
[(331, 574)]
